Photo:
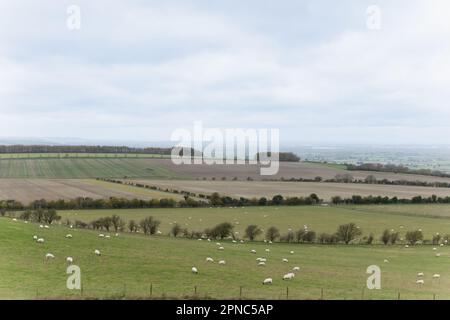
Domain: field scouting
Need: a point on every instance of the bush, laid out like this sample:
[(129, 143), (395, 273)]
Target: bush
[(348, 232), (414, 236), (386, 237), (222, 230), (149, 225), (176, 230), (252, 231), (272, 234)]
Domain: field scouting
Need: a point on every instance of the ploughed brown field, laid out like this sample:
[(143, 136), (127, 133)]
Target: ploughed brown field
[(27, 190), (251, 189), (287, 170)]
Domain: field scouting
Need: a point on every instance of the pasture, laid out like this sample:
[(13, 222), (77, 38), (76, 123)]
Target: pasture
[(317, 218), (134, 266)]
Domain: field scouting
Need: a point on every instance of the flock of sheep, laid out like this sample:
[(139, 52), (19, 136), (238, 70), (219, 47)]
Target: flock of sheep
[(261, 262), (69, 260)]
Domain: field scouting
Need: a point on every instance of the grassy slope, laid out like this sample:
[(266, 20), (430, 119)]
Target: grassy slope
[(319, 219), (83, 168), (131, 263)]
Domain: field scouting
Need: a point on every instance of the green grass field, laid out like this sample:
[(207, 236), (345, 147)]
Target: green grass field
[(371, 219), (70, 168), (131, 264)]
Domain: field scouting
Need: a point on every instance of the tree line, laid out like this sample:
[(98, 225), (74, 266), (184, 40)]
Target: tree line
[(81, 149), (396, 169)]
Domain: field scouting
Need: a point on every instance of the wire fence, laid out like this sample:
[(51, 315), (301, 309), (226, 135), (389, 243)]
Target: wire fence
[(242, 293)]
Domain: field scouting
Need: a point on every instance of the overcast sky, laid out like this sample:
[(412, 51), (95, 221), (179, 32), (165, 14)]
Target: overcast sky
[(137, 70)]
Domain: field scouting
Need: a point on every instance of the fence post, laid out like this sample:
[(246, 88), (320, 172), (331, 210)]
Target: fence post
[(195, 290), (287, 292), (151, 289), (321, 294)]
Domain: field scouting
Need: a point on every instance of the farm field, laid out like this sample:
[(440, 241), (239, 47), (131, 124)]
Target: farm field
[(149, 167), (80, 168), (28, 190), (132, 264), (79, 155), (371, 219), (325, 190)]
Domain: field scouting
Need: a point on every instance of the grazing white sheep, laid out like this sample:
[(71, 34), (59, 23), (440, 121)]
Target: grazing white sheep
[(291, 252), (406, 246), (69, 236), (261, 264), (101, 235), (69, 260), (441, 245), (218, 243), (289, 276), (222, 262), (209, 259), (234, 241), (46, 227), (200, 239), (270, 242), (14, 219), (158, 232), (265, 241), (434, 249), (35, 237), (263, 260), (49, 256), (252, 251), (97, 252), (40, 240), (107, 236), (267, 250), (386, 261), (285, 260), (438, 255), (209, 240), (436, 276), (420, 274), (194, 270), (220, 248), (242, 241), (296, 269), (420, 282), (267, 281), (41, 226), (116, 234)]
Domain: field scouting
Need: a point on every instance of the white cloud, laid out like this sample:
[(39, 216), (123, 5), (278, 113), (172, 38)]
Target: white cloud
[(144, 70)]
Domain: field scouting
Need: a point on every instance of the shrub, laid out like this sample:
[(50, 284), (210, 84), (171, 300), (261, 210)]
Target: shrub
[(414, 236), (252, 231), (348, 232), (272, 234)]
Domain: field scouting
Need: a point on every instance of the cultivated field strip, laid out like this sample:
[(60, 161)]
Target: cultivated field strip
[(27, 190), (251, 189)]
